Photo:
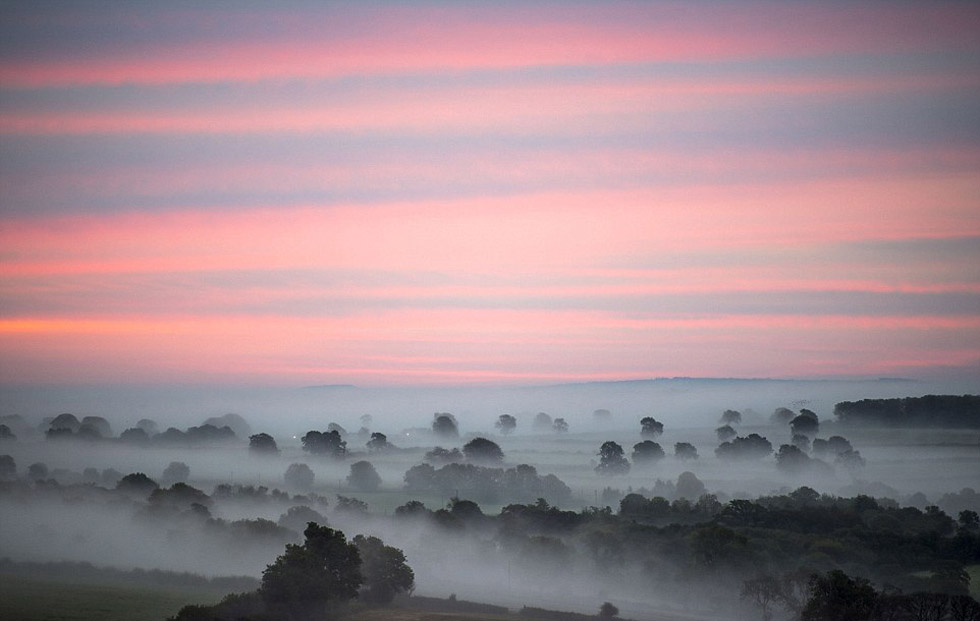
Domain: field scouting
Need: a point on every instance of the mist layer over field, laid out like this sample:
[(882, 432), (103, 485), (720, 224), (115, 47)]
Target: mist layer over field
[(76, 511)]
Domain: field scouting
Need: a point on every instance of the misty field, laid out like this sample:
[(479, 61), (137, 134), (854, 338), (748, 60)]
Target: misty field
[(558, 519)]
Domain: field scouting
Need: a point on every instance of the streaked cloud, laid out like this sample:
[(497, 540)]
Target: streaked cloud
[(488, 192)]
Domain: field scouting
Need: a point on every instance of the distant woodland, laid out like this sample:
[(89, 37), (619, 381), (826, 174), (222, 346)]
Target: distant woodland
[(949, 411)]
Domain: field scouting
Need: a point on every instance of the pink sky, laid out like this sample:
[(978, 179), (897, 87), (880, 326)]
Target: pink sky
[(442, 195)]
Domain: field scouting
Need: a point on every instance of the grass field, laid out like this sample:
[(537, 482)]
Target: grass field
[(35, 599)]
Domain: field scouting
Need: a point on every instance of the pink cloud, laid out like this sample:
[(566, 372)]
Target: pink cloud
[(463, 39)]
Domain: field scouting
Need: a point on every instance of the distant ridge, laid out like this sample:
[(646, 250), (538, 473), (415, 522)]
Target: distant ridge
[(329, 387), (728, 380)]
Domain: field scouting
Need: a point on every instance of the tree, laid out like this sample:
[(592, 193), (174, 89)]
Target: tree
[(134, 435), (444, 425), (262, 444), (481, 450), (137, 483), (384, 569), (781, 416), (299, 476), (175, 472), (612, 460), (685, 451), (324, 443), (791, 460), (542, 422), (647, 452), (8, 468), (313, 580), (689, 486), (725, 433), (801, 442), (378, 442), (806, 423), (6, 433), (608, 611), (440, 455), (650, 427), (731, 417), (148, 425), (752, 446), (559, 426), (763, 590), (37, 471), (100, 425), (835, 596), (298, 517), (602, 415), (506, 424), (969, 520), (65, 421), (363, 477)]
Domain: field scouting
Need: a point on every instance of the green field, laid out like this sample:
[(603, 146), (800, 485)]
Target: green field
[(37, 599)]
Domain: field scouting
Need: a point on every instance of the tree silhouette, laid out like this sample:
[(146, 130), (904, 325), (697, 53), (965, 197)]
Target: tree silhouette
[(506, 424), (612, 460), (313, 580)]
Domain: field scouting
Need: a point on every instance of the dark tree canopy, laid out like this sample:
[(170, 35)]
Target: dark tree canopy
[(835, 596), (65, 421), (650, 427), (612, 460), (725, 433), (363, 477), (263, 443), (951, 411), (325, 443), (313, 580), (647, 452), (806, 423), (506, 424), (685, 450), (378, 442), (608, 610), (559, 425), (100, 424), (8, 467), (439, 455), (752, 446), (336, 427), (138, 483), (731, 417), (39, 470), (791, 459), (134, 435), (6, 433), (481, 450), (384, 569), (444, 425)]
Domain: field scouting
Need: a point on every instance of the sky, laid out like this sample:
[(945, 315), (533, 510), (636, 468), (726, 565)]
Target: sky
[(440, 193)]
